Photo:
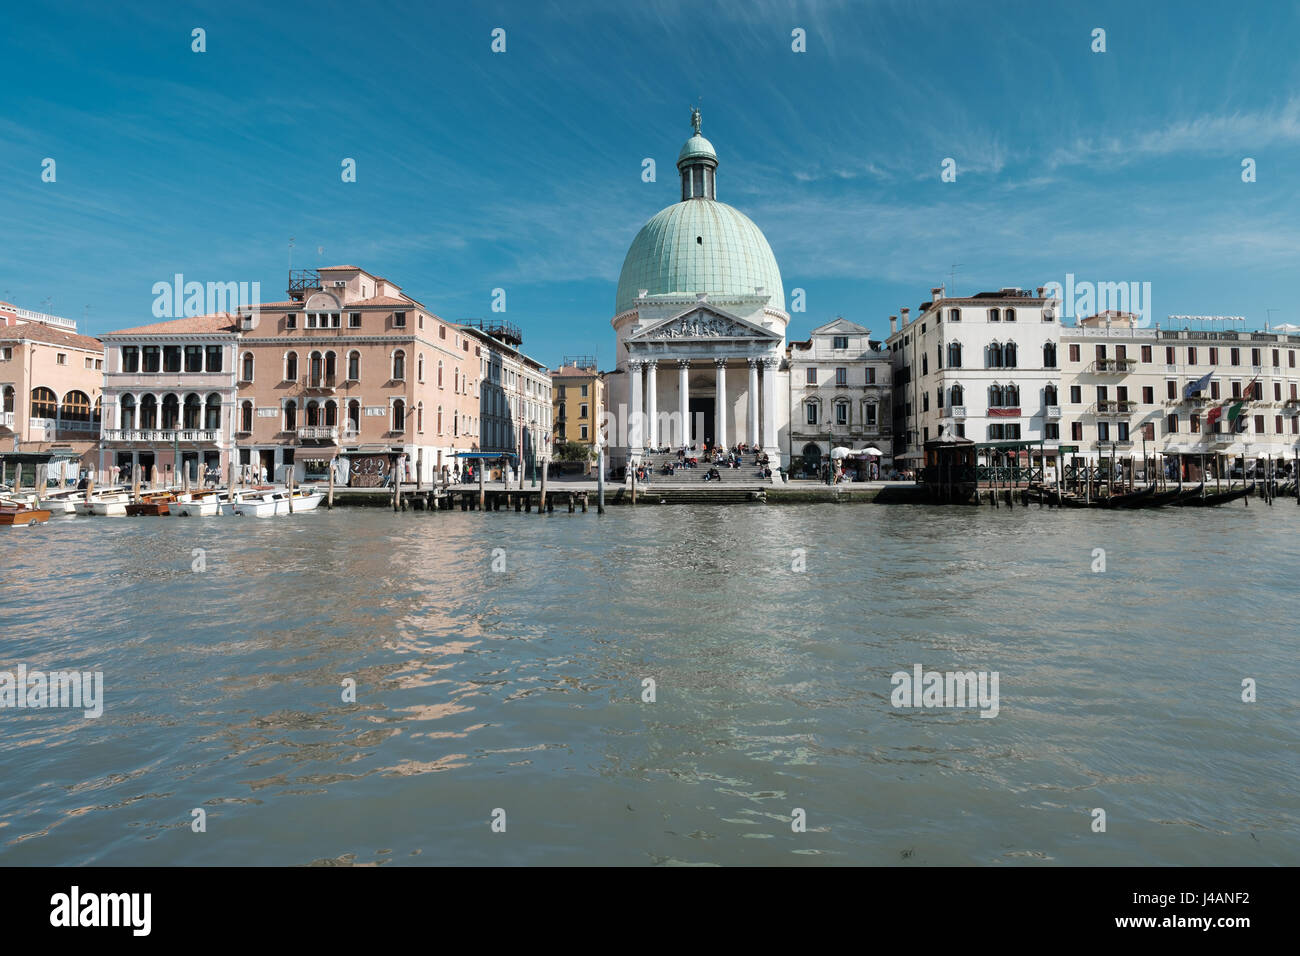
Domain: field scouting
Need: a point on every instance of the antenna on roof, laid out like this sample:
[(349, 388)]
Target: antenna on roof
[(951, 291)]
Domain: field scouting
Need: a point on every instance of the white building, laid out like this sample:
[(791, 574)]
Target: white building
[(982, 367), (840, 395)]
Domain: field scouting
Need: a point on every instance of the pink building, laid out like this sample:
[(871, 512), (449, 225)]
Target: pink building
[(50, 390)]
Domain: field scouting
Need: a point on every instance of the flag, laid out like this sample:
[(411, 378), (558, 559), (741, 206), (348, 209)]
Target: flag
[(1193, 387), (1213, 415), (1248, 393), (1234, 414)]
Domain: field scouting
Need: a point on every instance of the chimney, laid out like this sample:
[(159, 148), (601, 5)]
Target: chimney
[(893, 324), (936, 293), (903, 312)]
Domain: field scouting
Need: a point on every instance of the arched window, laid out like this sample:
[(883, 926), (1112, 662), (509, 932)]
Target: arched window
[(246, 367), (1049, 355), (993, 357), (399, 415), (399, 365), (76, 407), (246, 417), (313, 413), (455, 380), (994, 315), (1011, 396), (171, 412), (841, 412), (954, 355), (354, 366), (331, 414), (212, 413), (291, 366), (954, 315), (440, 376), (419, 417), (8, 398), (1049, 395), (354, 416), (439, 419), (331, 368), (98, 410), (1009, 315), (290, 415), (419, 367), (316, 369), (126, 413), (956, 395), (995, 396), (149, 412), (45, 404), (193, 411), (1009, 355)]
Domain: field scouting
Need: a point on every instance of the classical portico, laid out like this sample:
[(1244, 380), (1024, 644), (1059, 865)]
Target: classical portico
[(700, 295), (724, 390)]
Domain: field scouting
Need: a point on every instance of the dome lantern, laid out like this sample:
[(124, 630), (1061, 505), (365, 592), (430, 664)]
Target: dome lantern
[(698, 164)]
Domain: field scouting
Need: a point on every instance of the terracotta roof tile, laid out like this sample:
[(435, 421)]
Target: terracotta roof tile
[(38, 332), (200, 324)]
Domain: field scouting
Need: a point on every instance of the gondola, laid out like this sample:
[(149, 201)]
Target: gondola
[(1134, 499), (1218, 498), (1160, 498)]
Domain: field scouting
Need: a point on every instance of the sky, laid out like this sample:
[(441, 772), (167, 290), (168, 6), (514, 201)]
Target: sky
[(522, 170)]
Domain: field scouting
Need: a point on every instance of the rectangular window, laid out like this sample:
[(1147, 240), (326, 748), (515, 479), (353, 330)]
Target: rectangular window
[(811, 411), (840, 342), (871, 375), (291, 321), (194, 358), (1121, 431), (582, 432), (1277, 424), (1169, 355), (1101, 353), (354, 320), (810, 376), (1214, 390), (1074, 352), (1254, 357), (1076, 394), (1171, 425), (841, 414), (1146, 353), (841, 376), (61, 358), (1076, 431), (130, 358), (1103, 431), (582, 410), (1103, 393), (1052, 431), (1234, 356), (1148, 395), (1277, 358), (399, 320), (869, 411), (1214, 356), (1191, 355), (151, 357), (87, 361), (960, 429), (584, 391), (1277, 391), (171, 358), (1259, 424), (1121, 352), (1171, 389), (214, 359), (1194, 424)]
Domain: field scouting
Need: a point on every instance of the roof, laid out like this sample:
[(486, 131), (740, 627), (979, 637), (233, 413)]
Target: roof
[(575, 371), (39, 332), (381, 300), (215, 323), (699, 245), (697, 147), (341, 269)]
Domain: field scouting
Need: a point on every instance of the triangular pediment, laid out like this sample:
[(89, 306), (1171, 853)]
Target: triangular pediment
[(704, 322), (840, 327)]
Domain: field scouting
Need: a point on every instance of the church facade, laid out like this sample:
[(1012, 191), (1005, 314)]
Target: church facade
[(700, 326)]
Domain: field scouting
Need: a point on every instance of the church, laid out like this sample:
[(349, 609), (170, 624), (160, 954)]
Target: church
[(699, 327)]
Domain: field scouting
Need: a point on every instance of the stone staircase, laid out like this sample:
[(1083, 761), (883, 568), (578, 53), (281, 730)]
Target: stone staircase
[(687, 485)]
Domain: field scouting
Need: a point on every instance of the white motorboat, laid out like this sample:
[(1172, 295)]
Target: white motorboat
[(268, 502), (62, 502), (108, 503), (200, 504), (304, 499)]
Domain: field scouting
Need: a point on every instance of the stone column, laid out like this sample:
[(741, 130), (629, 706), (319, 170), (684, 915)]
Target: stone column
[(769, 410), (684, 399), (652, 402), (720, 432), (634, 409), (753, 439)]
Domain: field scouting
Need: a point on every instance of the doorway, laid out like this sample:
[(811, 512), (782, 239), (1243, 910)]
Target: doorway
[(702, 406)]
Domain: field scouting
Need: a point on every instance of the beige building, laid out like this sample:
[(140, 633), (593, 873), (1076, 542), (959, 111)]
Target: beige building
[(514, 395), (50, 379), (1129, 391)]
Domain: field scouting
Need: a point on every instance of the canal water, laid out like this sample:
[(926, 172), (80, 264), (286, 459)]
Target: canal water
[(500, 663)]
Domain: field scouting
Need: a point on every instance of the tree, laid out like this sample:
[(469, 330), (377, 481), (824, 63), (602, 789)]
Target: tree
[(572, 451)]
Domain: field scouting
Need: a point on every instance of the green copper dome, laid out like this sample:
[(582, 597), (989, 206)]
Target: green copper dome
[(699, 245), (697, 147)]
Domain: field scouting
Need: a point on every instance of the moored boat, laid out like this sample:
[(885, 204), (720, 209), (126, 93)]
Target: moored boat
[(200, 504), (152, 505), (1215, 498), (16, 514), (103, 503)]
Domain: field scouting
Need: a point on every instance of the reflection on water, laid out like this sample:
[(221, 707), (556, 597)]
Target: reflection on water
[(522, 690)]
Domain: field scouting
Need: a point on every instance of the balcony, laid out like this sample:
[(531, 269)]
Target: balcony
[(1114, 366), (958, 412), (162, 436), (1053, 413), (1115, 406), (328, 433), (1104, 443), (7, 419), (321, 383)]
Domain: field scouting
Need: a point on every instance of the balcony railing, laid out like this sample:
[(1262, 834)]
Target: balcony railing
[(152, 436), (1103, 443), (7, 419), (1114, 366), (958, 412), (318, 433), (1053, 412), (322, 381), (1115, 406)]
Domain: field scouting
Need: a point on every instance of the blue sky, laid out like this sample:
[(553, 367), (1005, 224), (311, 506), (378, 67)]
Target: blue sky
[(522, 170)]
